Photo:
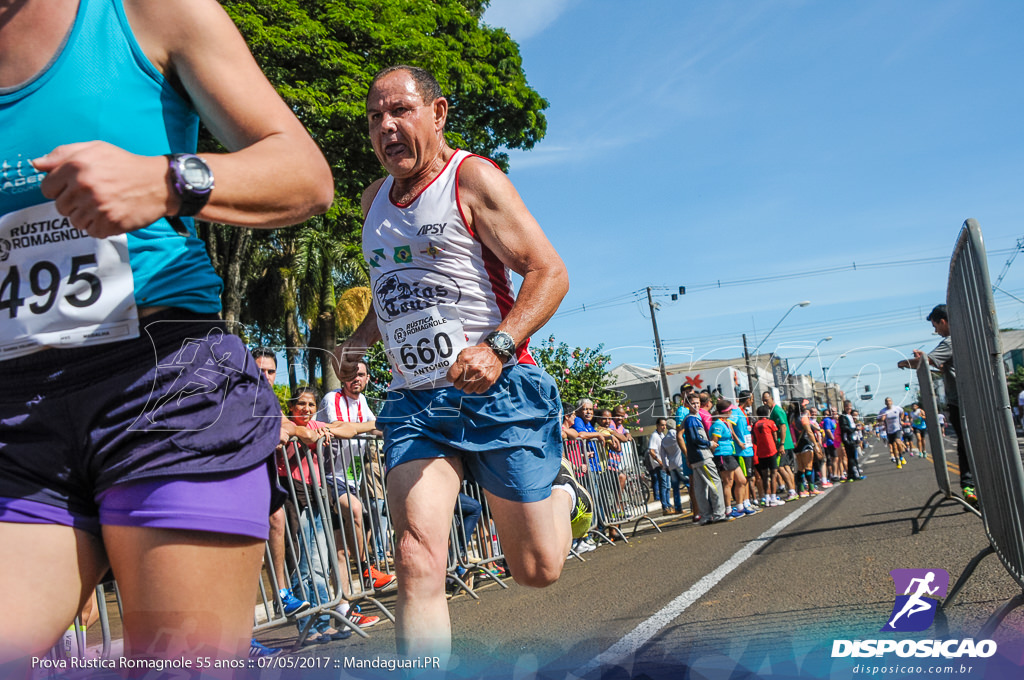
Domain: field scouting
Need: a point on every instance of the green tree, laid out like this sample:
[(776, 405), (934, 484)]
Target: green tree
[(579, 372)]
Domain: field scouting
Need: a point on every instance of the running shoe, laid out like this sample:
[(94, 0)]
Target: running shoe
[(261, 651), (816, 492), (775, 503), (803, 494), (736, 513), (899, 464), (750, 511), (583, 512), (291, 604), (793, 495), (376, 578), (360, 619), (827, 485), (970, 496)]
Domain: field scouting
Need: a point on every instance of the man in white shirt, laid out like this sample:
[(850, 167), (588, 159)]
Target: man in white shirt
[(672, 458), (659, 472), (349, 405)]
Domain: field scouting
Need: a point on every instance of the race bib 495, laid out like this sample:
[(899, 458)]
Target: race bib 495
[(60, 287)]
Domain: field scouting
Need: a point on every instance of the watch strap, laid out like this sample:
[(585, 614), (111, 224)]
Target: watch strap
[(190, 202)]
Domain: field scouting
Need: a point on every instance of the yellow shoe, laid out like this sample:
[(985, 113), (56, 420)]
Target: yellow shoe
[(583, 512)]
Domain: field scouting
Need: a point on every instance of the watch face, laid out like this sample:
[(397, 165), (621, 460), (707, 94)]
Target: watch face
[(502, 342), (195, 172)]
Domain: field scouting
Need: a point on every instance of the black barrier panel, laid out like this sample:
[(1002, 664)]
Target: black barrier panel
[(935, 442), (988, 422)]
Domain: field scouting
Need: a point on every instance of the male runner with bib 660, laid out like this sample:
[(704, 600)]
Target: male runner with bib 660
[(441, 233)]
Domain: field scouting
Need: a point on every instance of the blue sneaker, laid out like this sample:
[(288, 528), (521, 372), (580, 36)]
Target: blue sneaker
[(737, 513), (750, 511), (260, 651), (291, 604)]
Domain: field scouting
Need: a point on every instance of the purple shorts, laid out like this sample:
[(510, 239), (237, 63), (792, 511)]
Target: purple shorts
[(175, 429)]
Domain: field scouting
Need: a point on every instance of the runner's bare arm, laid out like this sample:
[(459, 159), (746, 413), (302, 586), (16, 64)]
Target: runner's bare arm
[(500, 219), (273, 173)]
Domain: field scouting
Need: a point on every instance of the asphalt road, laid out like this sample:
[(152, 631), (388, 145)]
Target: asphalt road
[(729, 601)]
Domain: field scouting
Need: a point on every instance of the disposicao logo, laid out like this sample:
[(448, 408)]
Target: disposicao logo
[(917, 600), (921, 590)]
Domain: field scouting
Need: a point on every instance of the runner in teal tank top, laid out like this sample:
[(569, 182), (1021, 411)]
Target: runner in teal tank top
[(135, 432)]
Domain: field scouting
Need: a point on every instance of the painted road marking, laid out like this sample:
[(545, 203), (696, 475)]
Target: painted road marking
[(640, 635)]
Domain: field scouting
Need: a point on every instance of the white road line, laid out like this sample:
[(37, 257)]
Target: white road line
[(640, 635)]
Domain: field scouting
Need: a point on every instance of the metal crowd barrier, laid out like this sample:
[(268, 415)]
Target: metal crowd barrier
[(931, 408), (475, 551), (991, 439), (616, 482), (321, 546), (324, 558)]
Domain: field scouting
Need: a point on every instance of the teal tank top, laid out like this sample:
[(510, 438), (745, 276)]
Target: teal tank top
[(100, 86)]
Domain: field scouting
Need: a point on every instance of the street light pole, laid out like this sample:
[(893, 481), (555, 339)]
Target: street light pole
[(799, 304), (661, 356)]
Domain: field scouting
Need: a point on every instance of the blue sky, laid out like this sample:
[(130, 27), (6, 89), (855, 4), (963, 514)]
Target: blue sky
[(695, 142)]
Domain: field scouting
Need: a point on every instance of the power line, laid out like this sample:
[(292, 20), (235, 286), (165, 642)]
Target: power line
[(852, 267)]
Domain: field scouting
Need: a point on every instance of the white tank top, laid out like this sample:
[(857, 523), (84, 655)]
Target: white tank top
[(436, 288)]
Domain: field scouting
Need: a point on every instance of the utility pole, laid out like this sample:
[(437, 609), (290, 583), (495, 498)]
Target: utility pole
[(751, 374), (661, 356)]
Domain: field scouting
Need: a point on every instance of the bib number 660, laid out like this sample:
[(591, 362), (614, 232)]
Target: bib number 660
[(44, 278), (426, 351)]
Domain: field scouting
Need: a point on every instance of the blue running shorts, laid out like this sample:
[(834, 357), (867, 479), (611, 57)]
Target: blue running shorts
[(509, 438)]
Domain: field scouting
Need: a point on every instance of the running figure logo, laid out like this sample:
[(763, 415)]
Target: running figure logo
[(921, 589)]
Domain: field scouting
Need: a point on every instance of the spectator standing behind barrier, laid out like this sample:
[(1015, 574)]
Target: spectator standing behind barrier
[(744, 450), (672, 455), (350, 474), (94, 94), (505, 429), (704, 479), (725, 457), (745, 404), (784, 442), (851, 437), (832, 457), (942, 358), (659, 470), (1020, 408), (803, 430), (618, 424), (313, 560), (584, 425), (683, 409), (767, 464), (568, 419)]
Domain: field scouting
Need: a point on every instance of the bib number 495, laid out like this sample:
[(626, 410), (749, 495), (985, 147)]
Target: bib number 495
[(44, 279)]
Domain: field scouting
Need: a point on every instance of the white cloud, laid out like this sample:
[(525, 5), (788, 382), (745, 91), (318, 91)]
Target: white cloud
[(524, 19)]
